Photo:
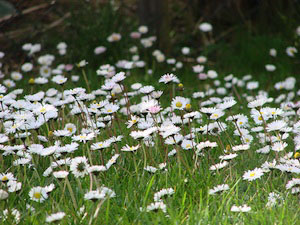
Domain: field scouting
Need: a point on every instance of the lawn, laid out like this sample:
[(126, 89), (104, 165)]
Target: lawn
[(104, 128)]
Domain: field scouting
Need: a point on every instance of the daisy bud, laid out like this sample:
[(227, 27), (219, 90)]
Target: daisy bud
[(188, 106), (31, 81), (297, 155), (227, 148)]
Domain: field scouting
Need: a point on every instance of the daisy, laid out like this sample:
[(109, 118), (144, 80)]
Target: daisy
[(163, 192), (150, 169), (172, 153), (227, 104), (291, 51), (45, 71), (79, 166), (3, 194), (128, 148), (219, 188), (84, 137), (5, 177), (169, 130), (26, 67), (212, 74), (243, 208), (273, 52), (272, 199), (157, 205), (240, 147), (118, 77), (279, 146), (94, 195), (114, 37), (219, 166), (169, 77), (110, 108), (276, 125), (217, 114), (206, 144), (251, 175), (270, 67), (146, 89), (171, 141), (205, 27), (14, 186), (59, 79), (82, 63), (71, 128), (96, 169), (13, 214), (16, 76), (133, 120), (264, 150), (55, 217), (228, 157), (187, 144), (43, 109), (62, 133), (99, 50), (100, 145), (257, 103), (9, 83), (292, 183), (60, 174), (38, 194), (180, 103), (112, 161)]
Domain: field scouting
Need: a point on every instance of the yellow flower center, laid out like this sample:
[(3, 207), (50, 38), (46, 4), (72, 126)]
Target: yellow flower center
[(178, 104), (37, 195), (241, 123), (188, 106), (188, 146), (252, 174), (70, 129), (109, 110), (259, 118), (4, 178), (82, 136), (43, 109), (180, 85), (134, 121)]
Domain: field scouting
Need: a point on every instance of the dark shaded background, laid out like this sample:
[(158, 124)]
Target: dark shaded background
[(174, 22)]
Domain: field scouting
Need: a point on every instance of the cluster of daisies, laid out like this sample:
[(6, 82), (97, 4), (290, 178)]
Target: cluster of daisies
[(78, 133)]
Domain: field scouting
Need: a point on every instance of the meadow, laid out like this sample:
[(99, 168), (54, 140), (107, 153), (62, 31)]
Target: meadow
[(130, 135)]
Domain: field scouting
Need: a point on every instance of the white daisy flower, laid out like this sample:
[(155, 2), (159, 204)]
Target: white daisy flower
[(251, 175)]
